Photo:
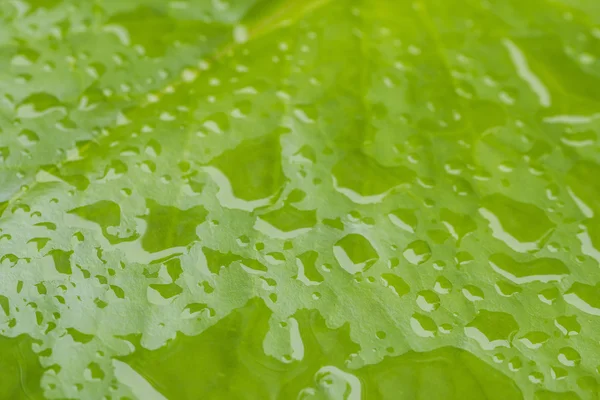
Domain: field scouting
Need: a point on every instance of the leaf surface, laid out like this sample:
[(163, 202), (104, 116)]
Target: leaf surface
[(300, 199)]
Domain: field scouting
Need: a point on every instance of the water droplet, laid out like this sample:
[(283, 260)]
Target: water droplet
[(417, 252), (396, 283), (428, 301), (539, 269), (442, 285), (472, 293), (569, 357), (307, 270), (423, 326), (492, 329), (286, 222), (534, 340), (28, 137), (521, 226), (568, 325), (355, 253), (405, 219), (249, 175), (38, 105), (584, 297), (364, 181)]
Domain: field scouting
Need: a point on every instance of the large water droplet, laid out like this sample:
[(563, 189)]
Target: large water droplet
[(423, 325), (365, 181), (569, 356), (286, 222), (584, 297), (540, 269), (396, 283), (417, 252), (405, 219), (521, 226), (39, 104), (250, 174), (428, 301), (492, 329), (355, 253)]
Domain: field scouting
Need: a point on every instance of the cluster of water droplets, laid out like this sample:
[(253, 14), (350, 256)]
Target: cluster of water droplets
[(301, 175)]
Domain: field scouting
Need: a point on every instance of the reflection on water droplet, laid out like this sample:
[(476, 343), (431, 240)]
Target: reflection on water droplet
[(590, 239), (249, 175), (28, 137), (307, 270), (521, 226), (442, 285), (405, 219), (492, 329), (428, 301), (584, 297), (355, 253), (507, 289), (417, 252), (423, 326), (569, 357), (558, 374), (286, 222), (365, 181), (396, 283), (458, 225), (534, 340), (38, 105), (568, 325), (472, 293), (539, 269), (155, 238), (153, 148), (302, 116)]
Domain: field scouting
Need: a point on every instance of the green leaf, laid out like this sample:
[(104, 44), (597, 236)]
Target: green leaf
[(279, 199)]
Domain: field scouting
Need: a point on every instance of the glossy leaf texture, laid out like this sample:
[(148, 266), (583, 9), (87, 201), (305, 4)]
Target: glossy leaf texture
[(279, 199)]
